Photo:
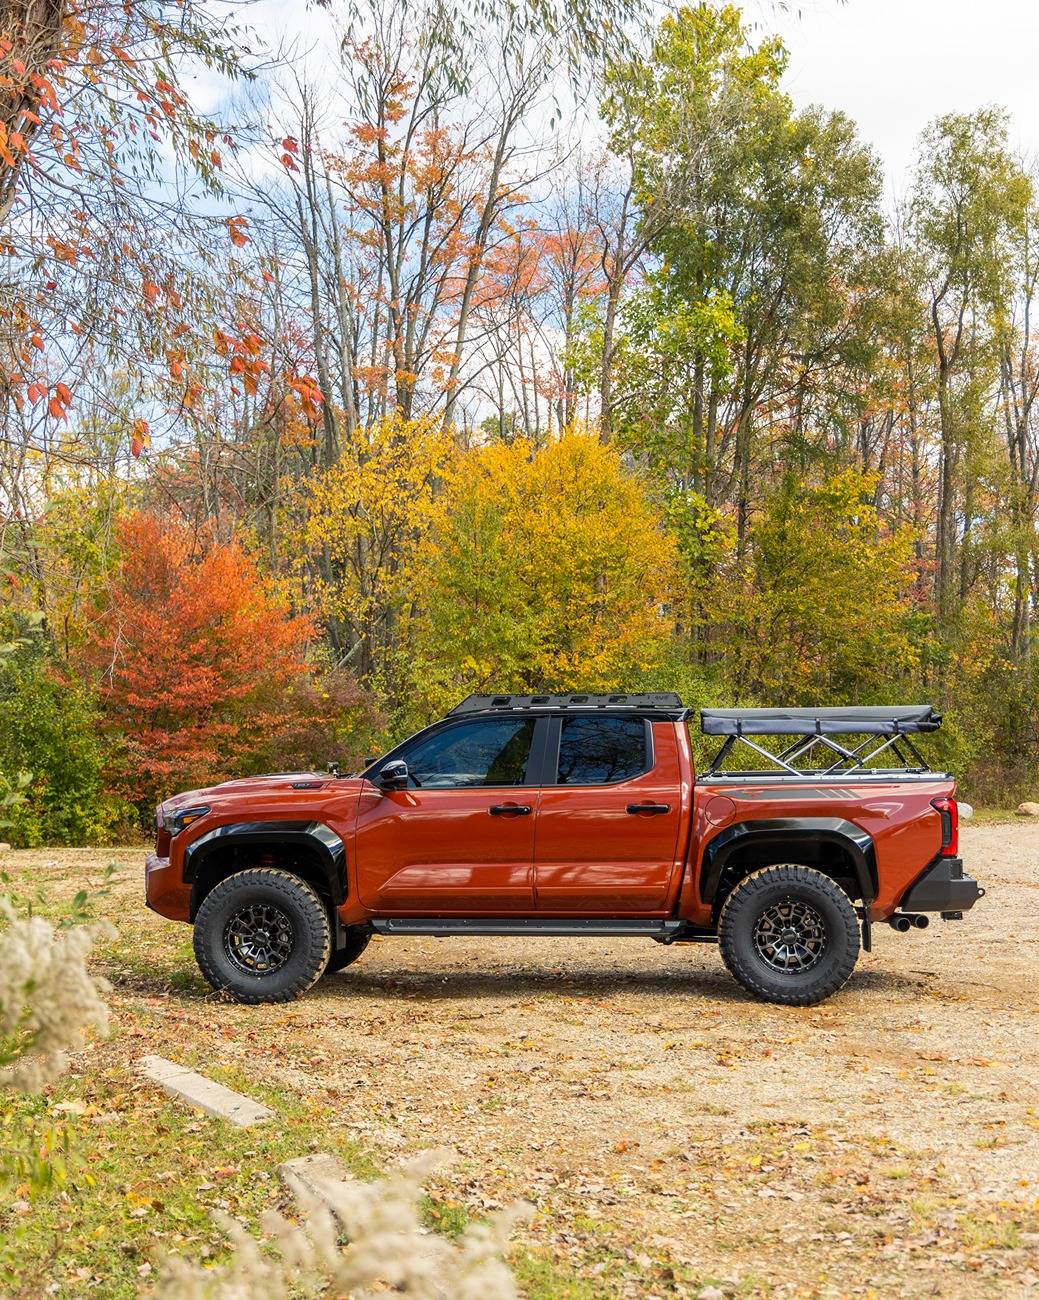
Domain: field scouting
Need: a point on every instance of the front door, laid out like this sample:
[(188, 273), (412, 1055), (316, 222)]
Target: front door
[(607, 829), (461, 837)]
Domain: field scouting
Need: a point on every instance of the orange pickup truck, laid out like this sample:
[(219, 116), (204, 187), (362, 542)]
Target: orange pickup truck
[(577, 815)]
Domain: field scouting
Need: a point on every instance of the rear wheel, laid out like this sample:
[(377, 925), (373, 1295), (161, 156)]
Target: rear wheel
[(262, 935), (789, 934), (354, 943)]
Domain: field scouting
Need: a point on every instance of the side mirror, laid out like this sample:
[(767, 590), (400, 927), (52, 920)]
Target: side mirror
[(394, 776)]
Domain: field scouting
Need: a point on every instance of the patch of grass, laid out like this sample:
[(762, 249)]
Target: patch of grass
[(993, 817), (990, 1231), (541, 1278), (143, 1176), (448, 1217)]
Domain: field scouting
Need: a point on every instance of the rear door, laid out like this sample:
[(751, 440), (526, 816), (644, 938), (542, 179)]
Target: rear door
[(461, 837), (608, 817)]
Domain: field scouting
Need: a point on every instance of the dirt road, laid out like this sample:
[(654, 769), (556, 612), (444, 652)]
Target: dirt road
[(673, 1134)]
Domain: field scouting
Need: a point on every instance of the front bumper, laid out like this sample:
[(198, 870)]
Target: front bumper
[(164, 890), (943, 888)]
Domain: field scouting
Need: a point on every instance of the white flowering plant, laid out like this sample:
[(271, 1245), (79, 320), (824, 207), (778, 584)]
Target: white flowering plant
[(49, 1002), (358, 1240)]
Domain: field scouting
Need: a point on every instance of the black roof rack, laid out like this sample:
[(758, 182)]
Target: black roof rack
[(641, 701)]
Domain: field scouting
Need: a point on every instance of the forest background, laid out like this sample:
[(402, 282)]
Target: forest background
[(379, 385)]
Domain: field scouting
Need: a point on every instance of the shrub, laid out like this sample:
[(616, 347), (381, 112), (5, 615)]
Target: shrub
[(50, 727), (387, 1250)]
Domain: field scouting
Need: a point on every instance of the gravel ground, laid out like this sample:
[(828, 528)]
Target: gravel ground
[(673, 1134)]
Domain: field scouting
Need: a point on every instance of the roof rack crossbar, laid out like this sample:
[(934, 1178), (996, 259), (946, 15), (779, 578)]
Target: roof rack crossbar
[(641, 701)]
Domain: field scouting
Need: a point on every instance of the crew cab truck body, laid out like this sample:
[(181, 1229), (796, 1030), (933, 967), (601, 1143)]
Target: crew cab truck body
[(576, 815)]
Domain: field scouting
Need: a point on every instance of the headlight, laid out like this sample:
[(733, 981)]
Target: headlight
[(176, 821)]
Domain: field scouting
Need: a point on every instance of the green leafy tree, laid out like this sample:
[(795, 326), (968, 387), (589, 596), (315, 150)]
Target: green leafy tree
[(970, 200), (766, 261), (50, 728), (828, 616)]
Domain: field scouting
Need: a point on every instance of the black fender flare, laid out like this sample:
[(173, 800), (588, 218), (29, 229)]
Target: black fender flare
[(319, 841), (793, 832)]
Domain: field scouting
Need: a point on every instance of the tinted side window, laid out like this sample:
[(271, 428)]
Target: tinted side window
[(492, 751), (595, 751)]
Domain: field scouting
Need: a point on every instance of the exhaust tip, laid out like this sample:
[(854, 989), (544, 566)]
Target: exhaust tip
[(921, 922), (900, 923)]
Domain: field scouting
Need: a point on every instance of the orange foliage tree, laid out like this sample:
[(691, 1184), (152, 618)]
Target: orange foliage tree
[(195, 654)]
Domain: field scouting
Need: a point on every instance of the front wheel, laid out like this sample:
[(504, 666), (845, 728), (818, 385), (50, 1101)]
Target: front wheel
[(789, 935), (262, 935)]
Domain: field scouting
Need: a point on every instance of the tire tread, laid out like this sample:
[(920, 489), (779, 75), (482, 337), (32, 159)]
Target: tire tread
[(319, 933), (792, 875)]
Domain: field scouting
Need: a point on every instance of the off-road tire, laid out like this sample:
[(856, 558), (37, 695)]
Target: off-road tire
[(284, 894), (745, 914), (354, 943)]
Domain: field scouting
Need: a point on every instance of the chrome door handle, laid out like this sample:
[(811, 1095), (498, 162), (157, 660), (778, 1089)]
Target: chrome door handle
[(510, 810), (651, 808)]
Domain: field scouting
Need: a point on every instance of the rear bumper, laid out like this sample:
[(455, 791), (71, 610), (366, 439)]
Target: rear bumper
[(164, 890), (943, 888)]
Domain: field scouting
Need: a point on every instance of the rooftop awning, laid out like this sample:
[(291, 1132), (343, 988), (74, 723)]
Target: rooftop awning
[(882, 720)]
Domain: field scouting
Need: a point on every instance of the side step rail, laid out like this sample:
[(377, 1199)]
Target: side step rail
[(444, 926)]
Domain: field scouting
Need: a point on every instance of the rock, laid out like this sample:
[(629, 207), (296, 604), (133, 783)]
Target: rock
[(1028, 810), (5, 848)]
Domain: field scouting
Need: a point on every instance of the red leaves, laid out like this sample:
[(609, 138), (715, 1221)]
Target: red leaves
[(141, 438), (245, 360), (289, 148), (195, 643), (150, 290), (57, 407), (236, 229), (309, 394)]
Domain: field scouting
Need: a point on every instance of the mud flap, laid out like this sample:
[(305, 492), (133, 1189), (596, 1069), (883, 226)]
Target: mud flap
[(867, 931)]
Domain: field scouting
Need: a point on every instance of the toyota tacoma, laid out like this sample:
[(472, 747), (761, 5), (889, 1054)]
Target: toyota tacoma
[(577, 815)]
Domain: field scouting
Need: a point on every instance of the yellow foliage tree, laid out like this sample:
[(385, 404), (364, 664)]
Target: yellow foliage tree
[(363, 520), (543, 570)]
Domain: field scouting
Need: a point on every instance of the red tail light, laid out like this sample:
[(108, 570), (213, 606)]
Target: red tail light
[(947, 810)]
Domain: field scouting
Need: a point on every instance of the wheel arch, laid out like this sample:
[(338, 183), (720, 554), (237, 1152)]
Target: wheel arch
[(310, 850), (837, 847)]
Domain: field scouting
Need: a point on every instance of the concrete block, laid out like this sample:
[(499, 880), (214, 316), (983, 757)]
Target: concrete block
[(320, 1175), (199, 1091)]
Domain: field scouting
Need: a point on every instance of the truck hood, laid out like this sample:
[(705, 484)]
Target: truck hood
[(299, 782)]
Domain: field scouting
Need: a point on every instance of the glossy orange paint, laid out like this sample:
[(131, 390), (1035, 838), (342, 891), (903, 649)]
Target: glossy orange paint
[(416, 851), (905, 829), (578, 851), (592, 856)]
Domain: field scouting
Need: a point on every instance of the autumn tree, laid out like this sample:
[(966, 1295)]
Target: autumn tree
[(362, 521), (192, 654), (544, 570)]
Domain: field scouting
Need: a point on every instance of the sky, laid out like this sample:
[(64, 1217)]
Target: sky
[(894, 65)]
